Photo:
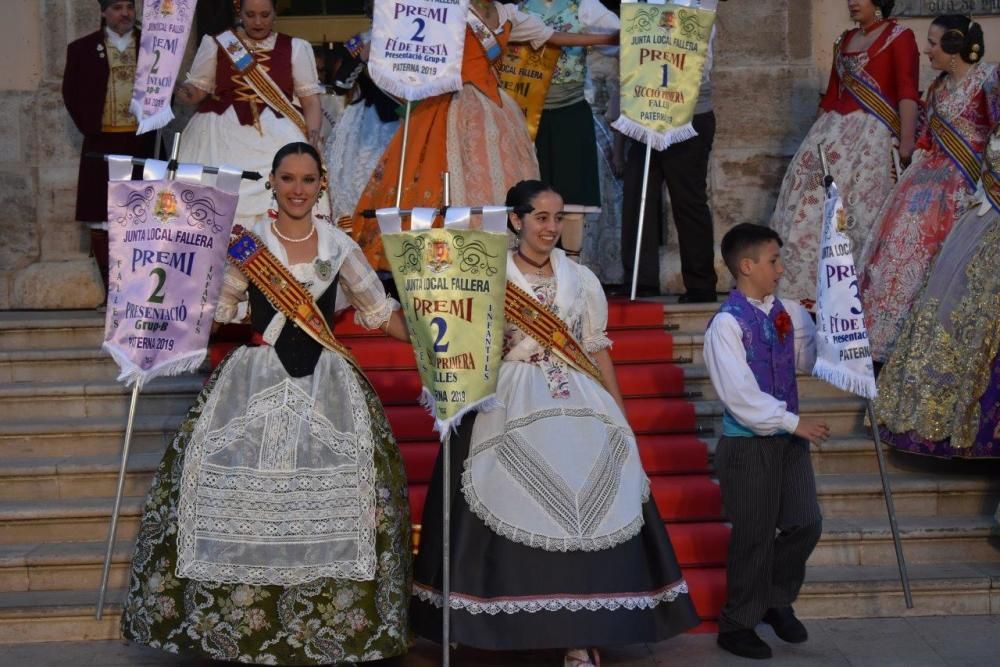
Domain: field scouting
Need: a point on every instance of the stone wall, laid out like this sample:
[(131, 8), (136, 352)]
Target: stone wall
[(43, 251)]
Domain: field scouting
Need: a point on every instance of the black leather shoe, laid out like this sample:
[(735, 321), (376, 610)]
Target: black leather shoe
[(744, 643), (697, 297), (785, 625)]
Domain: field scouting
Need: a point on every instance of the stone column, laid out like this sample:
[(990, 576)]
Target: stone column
[(765, 96)]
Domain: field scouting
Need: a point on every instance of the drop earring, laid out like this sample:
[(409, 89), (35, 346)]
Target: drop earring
[(272, 212)]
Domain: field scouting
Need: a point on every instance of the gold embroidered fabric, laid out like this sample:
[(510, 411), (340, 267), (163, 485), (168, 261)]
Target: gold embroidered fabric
[(941, 367), (121, 79)]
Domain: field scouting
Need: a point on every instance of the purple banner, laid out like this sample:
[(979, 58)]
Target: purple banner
[(166, 25), (168, 242)]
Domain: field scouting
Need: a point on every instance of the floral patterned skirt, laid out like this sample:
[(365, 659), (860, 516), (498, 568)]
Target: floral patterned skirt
[(858, 150), (320, 622)]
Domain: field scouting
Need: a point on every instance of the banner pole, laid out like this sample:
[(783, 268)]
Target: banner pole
[(402, 156), (904, 576), (123, 468), (642, 218), (446, 510), (890, 507), (120, 490), (446, 551)]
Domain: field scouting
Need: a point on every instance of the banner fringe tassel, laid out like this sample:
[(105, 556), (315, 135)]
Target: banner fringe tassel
[(841, 377), (154, 122), (131, 372), (445, 85), (485, 404), (659, 141)]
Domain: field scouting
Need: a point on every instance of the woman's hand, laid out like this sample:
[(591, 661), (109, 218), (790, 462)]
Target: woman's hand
[(189, 95), (906, 149)]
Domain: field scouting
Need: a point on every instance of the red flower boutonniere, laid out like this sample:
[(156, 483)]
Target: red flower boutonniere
[(783, 325)]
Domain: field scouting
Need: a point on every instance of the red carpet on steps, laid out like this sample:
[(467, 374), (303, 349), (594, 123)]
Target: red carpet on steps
[(675, 459)]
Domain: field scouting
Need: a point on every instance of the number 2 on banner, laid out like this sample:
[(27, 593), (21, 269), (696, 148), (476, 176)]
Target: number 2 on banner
[(418, 36), (442, 327), (161, 277)]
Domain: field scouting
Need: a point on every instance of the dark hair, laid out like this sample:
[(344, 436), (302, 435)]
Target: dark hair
[(743, 240), (962, 37), (297, 148), (885, 6), (520, 196)]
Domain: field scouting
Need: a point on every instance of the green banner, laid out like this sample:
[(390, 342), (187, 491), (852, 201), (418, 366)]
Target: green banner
[(451, 284), (663, 53)]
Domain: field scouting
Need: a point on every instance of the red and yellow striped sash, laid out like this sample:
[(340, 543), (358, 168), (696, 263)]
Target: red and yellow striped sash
[(547, 330), (872, 101), (250, 254), (957, 148)]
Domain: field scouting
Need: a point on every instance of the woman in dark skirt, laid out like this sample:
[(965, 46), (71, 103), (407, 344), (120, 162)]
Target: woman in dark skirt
[(555, 540)]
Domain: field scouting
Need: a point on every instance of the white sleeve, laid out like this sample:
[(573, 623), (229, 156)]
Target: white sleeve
[(364, 290), (304, 75), (595, 319), (735, 383), (234, 292), (805, 337), (202, 72), (525, 27), (595, 17)]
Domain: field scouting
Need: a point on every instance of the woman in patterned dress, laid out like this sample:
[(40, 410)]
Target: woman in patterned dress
[(963, 104), (939, 393), (880, 55), (555, 540), (477, 134), (277, 529)]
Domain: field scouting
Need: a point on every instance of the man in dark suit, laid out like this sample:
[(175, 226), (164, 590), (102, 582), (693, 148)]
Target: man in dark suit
[(97, 89)]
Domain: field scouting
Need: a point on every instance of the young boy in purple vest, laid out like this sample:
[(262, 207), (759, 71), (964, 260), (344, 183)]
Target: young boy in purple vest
[(753, 347)]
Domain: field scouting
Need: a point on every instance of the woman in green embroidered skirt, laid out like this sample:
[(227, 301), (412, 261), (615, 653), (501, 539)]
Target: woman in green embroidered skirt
[(277, 530)]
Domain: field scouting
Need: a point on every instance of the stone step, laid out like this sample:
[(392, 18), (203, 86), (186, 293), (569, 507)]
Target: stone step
[(874, 591), (20, 330), (696, 379), (32, 401), (75, 364), (688, 318), (75, 476), (67, 519), (843, 414), (49, 616), (84, 436), (62, 566), (923, 494), (868, 540), (865, 541), (953, 589)]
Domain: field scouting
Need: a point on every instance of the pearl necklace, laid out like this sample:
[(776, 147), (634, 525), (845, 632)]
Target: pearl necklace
[(274, 228)]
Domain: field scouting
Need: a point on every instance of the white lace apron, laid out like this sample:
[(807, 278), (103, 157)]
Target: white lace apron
[(555, 468), (278, 480)]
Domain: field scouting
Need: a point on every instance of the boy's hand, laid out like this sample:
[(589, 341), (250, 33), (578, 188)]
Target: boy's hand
[(813, 430)]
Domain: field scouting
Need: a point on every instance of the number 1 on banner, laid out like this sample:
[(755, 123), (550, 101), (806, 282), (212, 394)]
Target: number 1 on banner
[(666, 76)]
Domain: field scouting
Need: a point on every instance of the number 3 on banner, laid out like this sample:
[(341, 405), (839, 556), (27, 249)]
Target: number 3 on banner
[(442, 327)]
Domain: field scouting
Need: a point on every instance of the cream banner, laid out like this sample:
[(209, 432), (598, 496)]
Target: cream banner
[(417, 47)]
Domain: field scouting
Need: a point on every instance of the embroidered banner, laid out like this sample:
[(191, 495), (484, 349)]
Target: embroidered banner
[(663, 52), (166, 25), (417, 46), (843, 355), (167, 247), (451, 283), (525, 73)]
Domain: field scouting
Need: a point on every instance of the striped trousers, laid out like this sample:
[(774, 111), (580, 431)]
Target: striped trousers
[(769, 494)]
